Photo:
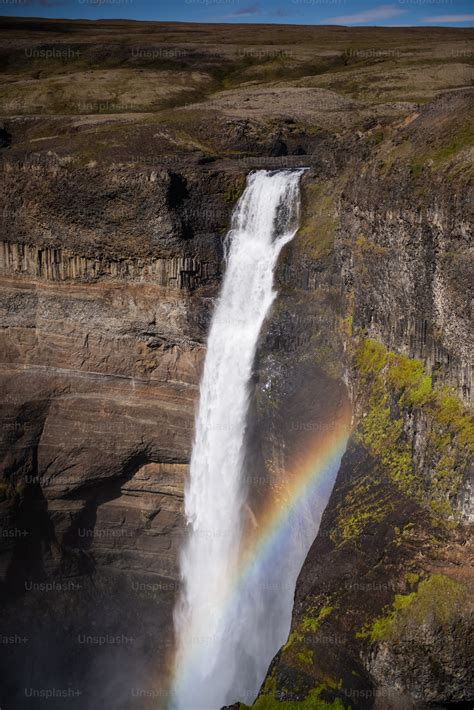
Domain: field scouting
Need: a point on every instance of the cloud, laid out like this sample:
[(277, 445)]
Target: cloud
[(449, 18), (249, 10), (253, 10), (384, 12)]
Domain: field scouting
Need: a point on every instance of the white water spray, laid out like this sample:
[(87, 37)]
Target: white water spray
[(213, 666)]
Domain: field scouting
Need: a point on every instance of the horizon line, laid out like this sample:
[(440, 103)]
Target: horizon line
[(233, 24)]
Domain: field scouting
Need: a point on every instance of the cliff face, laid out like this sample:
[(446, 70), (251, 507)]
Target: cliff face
[(382, 617), (405, 260), (101, 357), (101, 354), (101, 363), (112, 251)]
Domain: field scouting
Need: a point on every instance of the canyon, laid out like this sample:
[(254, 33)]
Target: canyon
[(112, 228)]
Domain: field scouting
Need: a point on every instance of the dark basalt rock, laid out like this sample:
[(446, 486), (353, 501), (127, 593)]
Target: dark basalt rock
[(279, 148), (5, 138), (299, 150)]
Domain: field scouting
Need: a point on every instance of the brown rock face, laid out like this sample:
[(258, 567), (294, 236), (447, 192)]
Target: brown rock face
[(135, 526), (100, 380)]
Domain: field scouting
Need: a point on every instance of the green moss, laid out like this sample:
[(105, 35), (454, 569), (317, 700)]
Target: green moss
[(298, 653), (412, 578), (409, 376), (379, 430), (364, 504), (270, 685), (450, 413), (292, 638), (370, 357), (405, 534), (445, 153), (438, 597), (452, 441), (393, 384), (383, 436), (312, 623), (382, 628), (302, 658), (313, 701), (305, 657)]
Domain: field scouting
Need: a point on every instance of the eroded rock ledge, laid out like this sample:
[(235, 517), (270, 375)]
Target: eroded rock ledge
[(56, 264)]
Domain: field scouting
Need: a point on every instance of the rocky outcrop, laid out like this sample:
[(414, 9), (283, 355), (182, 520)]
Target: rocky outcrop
[(406, 264), (116, 212), (63, 265)]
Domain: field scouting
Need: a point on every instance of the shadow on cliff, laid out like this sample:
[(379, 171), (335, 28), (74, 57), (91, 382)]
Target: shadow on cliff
[(78, 633)]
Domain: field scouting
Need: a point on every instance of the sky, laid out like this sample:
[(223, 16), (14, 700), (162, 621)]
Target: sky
[(450, 13)]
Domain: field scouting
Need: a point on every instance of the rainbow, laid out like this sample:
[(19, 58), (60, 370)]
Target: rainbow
[(308, 482), (314, 473)]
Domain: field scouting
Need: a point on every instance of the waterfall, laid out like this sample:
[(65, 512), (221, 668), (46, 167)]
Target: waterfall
[(214, 661)]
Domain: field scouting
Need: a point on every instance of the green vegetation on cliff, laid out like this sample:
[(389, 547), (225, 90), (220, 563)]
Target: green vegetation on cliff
[(395, 386), (365, 503), (438, 597), (450, 145), (312, 623), (313, 701), (309, 623)]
